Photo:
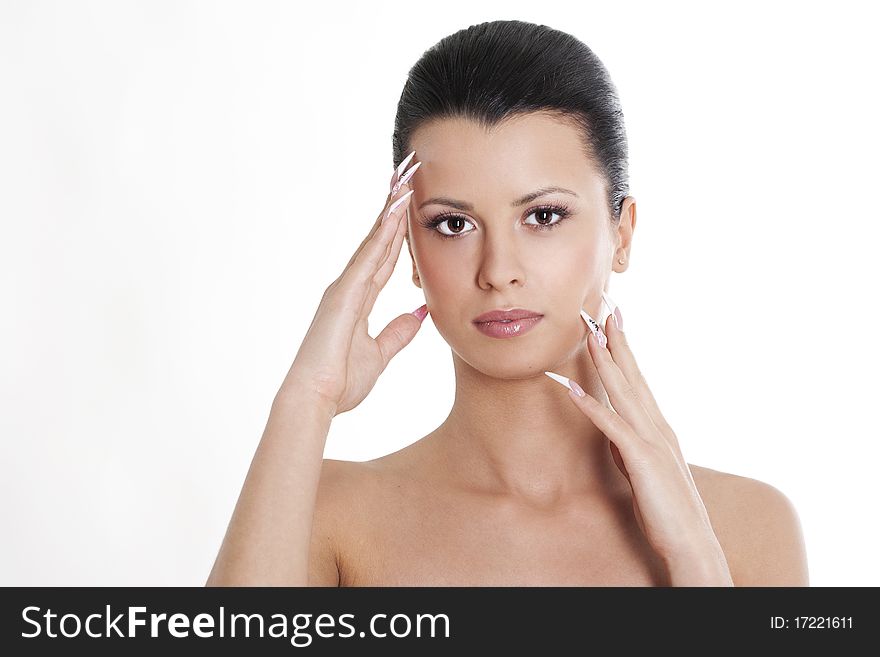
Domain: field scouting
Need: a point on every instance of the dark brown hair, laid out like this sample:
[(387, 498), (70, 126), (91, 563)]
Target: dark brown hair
[(500, 69)]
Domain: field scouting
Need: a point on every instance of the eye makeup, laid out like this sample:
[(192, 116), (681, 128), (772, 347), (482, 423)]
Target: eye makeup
[(555, 208)]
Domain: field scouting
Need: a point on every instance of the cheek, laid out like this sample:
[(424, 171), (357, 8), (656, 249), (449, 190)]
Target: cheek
[(438, 267), (564, 285), (591, 280), (573, 278), (593, 270), (439, 279)]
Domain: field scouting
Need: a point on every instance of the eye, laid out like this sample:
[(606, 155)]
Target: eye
[(546, 213), (544, 217), (456, 222)]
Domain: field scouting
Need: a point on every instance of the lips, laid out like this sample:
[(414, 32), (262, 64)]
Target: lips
[(506, 315)]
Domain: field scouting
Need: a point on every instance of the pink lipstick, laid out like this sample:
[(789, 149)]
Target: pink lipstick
[(507, 323)]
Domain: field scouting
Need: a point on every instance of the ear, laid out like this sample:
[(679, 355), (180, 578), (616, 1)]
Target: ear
[(625, 230), (415, 272)]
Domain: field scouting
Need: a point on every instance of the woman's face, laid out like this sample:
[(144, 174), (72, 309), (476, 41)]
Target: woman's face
[(490, 251)]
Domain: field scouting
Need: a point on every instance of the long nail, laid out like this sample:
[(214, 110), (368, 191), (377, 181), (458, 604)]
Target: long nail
[(400, 169), (593, 325), (409, 174), (396, 204), (613, 309), (568, 383)]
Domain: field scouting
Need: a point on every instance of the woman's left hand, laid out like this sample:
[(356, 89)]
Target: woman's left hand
[(666, 502)]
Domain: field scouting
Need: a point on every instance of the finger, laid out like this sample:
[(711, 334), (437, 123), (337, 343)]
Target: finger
[(626, 361), (403, 187), (621, 394), (395, 214), (377, 225), (387, 267), (394, 337), (374, 252), (398, 189), (343, 300), (355, 281), (609, 422), (618, 459), (385, 232), (380, 278)]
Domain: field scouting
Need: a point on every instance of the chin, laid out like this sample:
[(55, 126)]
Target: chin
[(509, 359)]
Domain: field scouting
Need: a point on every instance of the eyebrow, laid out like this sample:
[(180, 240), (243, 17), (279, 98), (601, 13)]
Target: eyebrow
[(522, 200)]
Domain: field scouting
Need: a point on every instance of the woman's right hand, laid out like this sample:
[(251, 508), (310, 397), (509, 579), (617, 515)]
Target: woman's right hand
[(338, 360)]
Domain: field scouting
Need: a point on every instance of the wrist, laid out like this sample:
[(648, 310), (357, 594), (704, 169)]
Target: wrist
[(706, 567), (293, 394)]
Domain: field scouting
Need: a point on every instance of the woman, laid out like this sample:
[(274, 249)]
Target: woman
[(511, 190)]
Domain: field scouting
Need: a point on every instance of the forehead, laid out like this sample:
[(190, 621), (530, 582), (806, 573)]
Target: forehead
[(521, 152)]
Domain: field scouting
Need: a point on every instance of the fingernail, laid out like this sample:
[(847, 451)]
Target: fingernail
[(400, 169), (397, 203), (613, 309), (600, 338), (421, 312), (593, 325), (409, 174), (568, 383)]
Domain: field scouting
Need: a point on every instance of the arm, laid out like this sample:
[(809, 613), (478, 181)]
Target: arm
[(269, 537), (706, 566), (666, 502), (267, 541), (758, 528), (770, 550)]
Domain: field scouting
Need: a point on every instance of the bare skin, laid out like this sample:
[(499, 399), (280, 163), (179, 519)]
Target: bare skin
[(518, 486), (522, 483), (403, 520)]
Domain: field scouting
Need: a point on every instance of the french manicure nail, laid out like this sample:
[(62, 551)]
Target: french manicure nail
[(577, 389), (400, 168), (397, 203), (600, 338), (613, 309), (595, 328), (409, 174), (568, 383)]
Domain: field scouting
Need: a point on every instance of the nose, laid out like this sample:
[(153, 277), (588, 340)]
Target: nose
[(500, 265)]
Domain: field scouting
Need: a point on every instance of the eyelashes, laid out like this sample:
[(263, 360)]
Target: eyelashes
[(432, 224)]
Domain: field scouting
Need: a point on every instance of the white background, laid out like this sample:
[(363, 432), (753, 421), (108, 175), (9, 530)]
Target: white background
[(179, 182)]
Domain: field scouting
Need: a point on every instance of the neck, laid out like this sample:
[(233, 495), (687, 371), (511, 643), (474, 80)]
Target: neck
[(525, 438)]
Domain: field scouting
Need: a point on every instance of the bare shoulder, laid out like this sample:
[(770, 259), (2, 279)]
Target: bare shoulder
[(342, 512), (345, 486), (334, 490), (757, 526)]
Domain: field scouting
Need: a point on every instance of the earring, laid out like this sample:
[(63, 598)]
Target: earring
[(620, 260)]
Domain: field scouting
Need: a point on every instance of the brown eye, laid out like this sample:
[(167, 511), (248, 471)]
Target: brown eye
[(456, 225), (456, 222), (544, 217)]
